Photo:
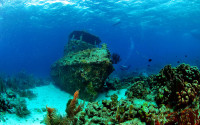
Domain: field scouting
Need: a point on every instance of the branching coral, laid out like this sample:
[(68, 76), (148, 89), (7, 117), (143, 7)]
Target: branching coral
[(71, 109), (50, 116)]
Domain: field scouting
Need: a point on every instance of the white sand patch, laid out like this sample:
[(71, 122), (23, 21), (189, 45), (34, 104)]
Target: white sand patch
[(51, 96)]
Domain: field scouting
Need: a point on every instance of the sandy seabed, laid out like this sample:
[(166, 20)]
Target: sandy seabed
[(50, 96)]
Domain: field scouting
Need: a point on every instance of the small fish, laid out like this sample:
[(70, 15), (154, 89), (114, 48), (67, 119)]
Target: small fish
[(117, 23), (178, 61), (150, 60), (186, 56), (123, 67)]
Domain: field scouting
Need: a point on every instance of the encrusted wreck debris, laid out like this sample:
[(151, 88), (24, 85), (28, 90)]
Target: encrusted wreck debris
[(84, 66)]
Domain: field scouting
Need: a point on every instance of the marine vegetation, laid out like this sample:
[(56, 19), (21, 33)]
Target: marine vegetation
[(53, 118)]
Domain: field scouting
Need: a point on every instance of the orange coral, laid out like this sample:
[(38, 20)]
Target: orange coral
[(76, 94), (71, 108), (50, 115), (73, 101), (50, 110)]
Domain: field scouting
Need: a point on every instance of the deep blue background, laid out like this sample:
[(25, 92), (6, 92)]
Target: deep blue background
[(33, 37)]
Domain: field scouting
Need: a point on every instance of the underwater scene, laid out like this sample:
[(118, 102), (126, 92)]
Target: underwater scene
[(99, 62)]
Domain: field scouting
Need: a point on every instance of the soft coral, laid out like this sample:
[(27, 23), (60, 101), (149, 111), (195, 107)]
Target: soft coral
[(71, 109)]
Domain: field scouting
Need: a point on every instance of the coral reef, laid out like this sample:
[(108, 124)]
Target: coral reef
[(139, 89), (168, 98), (11, 102), (110, 112), (85, 69), (164, 107), (178, 87)]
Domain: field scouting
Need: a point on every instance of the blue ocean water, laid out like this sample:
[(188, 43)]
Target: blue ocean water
[(147, 34), (33, 33)]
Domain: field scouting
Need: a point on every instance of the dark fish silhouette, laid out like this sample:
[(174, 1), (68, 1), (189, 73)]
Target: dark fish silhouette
[(150, 60), (115, 58)]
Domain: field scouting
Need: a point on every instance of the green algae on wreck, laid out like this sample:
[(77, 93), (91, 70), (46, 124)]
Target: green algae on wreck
[(86, 69)]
